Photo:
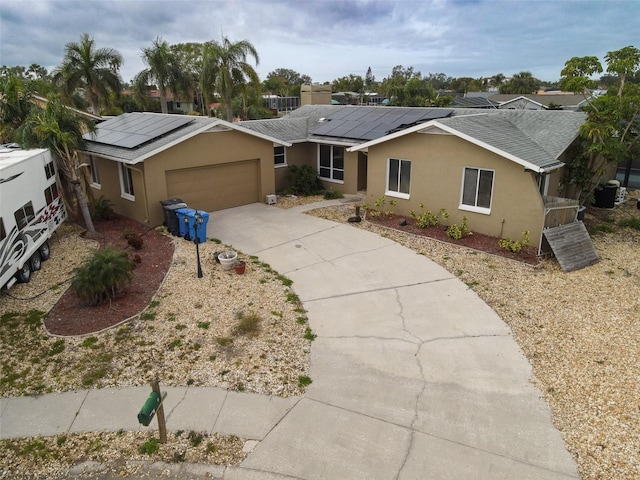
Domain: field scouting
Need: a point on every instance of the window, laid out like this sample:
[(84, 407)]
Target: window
[(398, 177), (477, 189), (51, 193), (24, 215), (49, 169), (95, 174), (279, 156), (331, 163), (126, 182)]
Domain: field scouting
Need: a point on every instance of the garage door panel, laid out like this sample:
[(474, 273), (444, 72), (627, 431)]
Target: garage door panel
[(216, 187)]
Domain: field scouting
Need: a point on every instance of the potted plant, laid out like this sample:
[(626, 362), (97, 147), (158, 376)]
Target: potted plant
[(227, 259), (239, 267)]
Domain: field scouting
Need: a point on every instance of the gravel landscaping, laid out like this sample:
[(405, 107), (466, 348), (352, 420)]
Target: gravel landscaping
[(579, 330)]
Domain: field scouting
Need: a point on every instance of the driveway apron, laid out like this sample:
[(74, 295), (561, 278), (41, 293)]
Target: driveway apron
[(414, 376)]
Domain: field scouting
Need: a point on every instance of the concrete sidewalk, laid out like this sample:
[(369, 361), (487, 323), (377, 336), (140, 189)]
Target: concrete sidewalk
[(413, 375)]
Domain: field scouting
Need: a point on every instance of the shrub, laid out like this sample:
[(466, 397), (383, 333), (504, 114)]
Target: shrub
[(515, 246), (457, 232), (332, 194), (304, 180), (103, 209), (134, 239), (103, 276), (426, 219)]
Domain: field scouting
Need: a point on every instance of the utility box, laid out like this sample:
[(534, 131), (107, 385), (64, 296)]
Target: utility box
[(197, 231), (169, 208), (272, 199), (149, 408)]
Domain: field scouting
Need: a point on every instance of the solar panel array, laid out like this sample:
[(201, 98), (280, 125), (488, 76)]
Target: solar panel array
[(134, 129), (366, 123)]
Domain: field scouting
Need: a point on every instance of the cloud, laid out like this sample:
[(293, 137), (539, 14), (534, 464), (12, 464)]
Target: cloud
[(329, 39)]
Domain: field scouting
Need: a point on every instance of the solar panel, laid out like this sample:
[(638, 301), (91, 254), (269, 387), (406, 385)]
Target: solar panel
[(131, 130), (369, 123)]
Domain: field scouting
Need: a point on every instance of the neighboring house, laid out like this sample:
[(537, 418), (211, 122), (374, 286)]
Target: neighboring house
[(547, 101), (138, 159)]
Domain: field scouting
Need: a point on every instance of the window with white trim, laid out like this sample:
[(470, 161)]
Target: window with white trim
[(477, 190), (331, 163), (279, 156), (24, 215), (398, 177), (95, 173), (126, 182)]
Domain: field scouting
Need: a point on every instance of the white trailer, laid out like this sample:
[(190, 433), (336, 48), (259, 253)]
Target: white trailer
[(31, 209)]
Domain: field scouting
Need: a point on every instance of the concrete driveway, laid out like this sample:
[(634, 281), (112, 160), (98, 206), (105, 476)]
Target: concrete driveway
[(414, 377)]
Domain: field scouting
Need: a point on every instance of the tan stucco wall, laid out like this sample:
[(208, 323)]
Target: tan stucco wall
[(212, 148), (297, 154), (437, 163), (110, 188)]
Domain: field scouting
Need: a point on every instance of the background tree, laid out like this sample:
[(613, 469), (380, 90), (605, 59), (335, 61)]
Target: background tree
[(521, 83), (611, 132), (370, 81), (94, 70), (16, 102), (229, 61), (164, 71), (60, 130), (467, 84), (285, 82)]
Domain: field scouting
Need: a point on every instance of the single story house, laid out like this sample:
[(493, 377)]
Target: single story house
[(501, 169), (545, 101), (139, 159)]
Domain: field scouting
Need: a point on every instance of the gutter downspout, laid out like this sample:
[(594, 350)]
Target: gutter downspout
[(144, 191)]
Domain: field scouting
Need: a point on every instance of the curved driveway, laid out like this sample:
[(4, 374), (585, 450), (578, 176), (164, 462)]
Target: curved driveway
[(414, 376)]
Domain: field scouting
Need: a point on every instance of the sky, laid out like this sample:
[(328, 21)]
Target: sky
[(328, 39)]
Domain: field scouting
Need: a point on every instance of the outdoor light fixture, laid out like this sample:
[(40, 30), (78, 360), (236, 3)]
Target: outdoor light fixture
[(198, 222)]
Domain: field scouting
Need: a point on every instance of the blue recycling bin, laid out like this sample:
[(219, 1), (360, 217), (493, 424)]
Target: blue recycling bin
[(183, 220), (201, 228)]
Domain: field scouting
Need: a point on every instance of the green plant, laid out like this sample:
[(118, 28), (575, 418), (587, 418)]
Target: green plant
[(332, 194), (515, 246), (457, 232), (103, 209), (309, 335), (56, 348), (304, 380), (248, 323), (150, 447), (148, 316), (203, 325), (175, 344), (425, 218), (631, 223), (103, 276), (89, 342), (195, 438), (603, 228), (304, 180)]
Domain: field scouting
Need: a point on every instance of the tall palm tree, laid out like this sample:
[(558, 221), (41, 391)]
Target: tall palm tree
[(60, 130), (232, 70), (95, 70), (164, 70)]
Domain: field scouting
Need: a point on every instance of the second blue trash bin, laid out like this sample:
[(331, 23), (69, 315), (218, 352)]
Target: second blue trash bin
[(201, 229)]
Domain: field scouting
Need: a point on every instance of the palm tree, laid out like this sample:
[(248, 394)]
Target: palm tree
[(164, 70), (60, 130), (93, 70), (229, 62), (15, 105)]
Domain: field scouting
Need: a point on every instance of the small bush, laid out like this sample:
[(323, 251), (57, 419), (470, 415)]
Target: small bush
[(332, 194), (103, 209), (103, 276), (457, 232), (150, 447), (515, 246), (304, 180), (426, 219)]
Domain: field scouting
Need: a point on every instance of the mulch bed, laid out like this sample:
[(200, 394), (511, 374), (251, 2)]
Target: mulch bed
[(476, 241), (71, 317)]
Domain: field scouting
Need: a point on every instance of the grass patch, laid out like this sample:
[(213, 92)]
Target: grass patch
[(304, 381), (150, 447), (224, 341), (89, 342), (603, 228), (630, 223), (203, 325), (248, 323), (148, 316), (309, 335)]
